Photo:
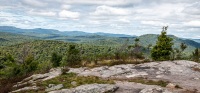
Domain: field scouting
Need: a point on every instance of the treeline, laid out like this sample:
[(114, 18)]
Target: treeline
[(41, 55)]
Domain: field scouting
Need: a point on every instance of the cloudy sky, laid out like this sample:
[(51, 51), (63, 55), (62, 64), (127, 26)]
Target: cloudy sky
[(133, 17)]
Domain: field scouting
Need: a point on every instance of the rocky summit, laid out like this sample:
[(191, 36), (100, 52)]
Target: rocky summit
[(180, 77)]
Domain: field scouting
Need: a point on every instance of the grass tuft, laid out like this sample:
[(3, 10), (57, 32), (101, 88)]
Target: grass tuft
[(149, 82), (67, 78)]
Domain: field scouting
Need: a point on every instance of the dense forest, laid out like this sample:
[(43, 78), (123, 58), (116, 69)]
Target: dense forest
[(22, 55)]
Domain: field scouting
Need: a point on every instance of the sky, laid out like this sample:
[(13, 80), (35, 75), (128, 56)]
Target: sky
[(132, 17)]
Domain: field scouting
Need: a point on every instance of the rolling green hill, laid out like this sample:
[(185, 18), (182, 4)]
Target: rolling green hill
[(42, 49), (98, 39), (7, 39), (147, 39)]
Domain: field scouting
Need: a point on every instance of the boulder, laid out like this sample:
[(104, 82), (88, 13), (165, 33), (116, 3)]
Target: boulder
[(154, 90), (74, 83), (40, 77), (181, 72), (171, 86), (89, 88), (25, 89), (52, 87)]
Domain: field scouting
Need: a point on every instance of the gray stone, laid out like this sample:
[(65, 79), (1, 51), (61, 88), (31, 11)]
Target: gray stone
[(154, 90), (89, 88), (52, 87), (38, 77), (180, 72), (137, 74), (74, 83), (26, 88), (170, 85)]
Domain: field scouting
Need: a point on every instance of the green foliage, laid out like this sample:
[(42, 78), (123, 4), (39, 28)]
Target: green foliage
[(147, 39), (183, 46), (44, 67), (23, 69), (196, 55), (6, 60), (163, 48), (137, 42), (30, 65), (73, 56), (178, 53), (136, 51), (43, 50), (122, 52), (68, 78), (149, 82), (7, 39), (12, 68), (56, 59)]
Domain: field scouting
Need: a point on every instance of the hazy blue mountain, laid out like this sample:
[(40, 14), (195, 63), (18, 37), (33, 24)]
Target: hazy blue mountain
[(40, 32), (113, 35), (196, 40), (88, 38), (76, 33)]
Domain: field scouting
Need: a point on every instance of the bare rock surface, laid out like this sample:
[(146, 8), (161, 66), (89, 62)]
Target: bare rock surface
[(38, 77), (185, 74), (90, 88), (179, 72), (25, 89), (52, 87)]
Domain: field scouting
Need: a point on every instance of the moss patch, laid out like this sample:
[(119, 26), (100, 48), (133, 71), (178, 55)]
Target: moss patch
[(68, 78), (149, 82)]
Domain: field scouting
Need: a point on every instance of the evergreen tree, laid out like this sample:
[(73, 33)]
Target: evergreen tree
[(196, 55), (56, 59), (137, 42), (73, 56), (163, 48), (183, 46)]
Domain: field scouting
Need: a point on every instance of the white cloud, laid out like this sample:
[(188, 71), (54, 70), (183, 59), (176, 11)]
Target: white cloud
[(192, 23), (154, 23), (66, 6), (35, 3), (102, 2), (69, 14), (125, 20), (107, 10), (117, 16), (193, 9), (42, 13)]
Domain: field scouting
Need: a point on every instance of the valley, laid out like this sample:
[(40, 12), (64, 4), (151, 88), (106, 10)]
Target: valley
[(98, 62)]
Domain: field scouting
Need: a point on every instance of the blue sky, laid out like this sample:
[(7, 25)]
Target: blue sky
[(133, 17)]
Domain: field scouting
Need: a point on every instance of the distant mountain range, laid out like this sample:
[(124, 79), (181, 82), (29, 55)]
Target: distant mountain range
[(40, 32), (12, 35), (197, 40)]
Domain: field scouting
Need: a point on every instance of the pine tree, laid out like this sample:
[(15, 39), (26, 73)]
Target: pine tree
[(183, 46), (196, 55), (56, 59), (163, 48), (73, 56)]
